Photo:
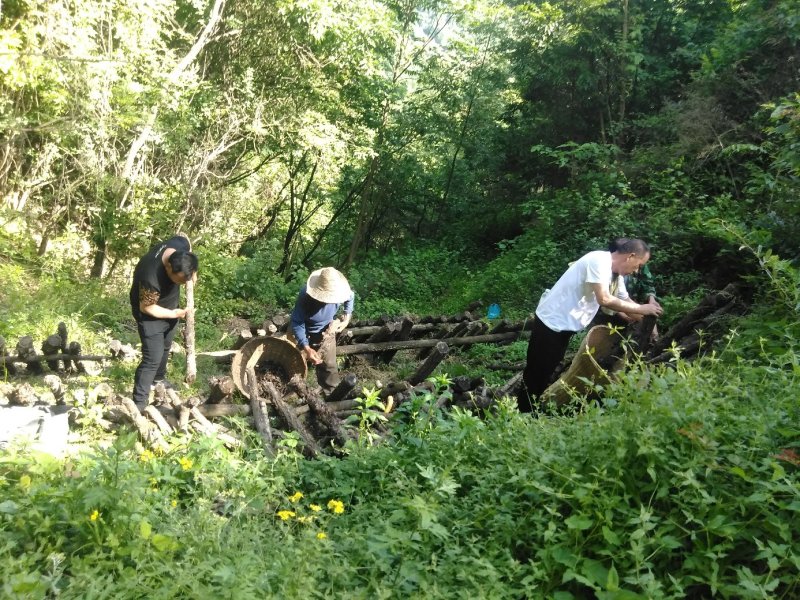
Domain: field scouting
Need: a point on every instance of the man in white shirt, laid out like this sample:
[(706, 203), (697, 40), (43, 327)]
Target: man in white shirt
[(571, 305)]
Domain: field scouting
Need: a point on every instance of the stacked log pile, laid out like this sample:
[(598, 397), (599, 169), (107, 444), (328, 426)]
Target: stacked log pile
[(59, 355), (279, 404)]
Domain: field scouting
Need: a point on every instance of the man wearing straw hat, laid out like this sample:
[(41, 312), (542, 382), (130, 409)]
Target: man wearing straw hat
[(315, 325)]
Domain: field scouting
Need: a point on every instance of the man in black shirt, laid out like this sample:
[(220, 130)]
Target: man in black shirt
[(154, 302)]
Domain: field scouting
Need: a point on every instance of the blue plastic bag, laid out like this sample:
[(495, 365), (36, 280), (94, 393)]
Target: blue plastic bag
[(493, 312)]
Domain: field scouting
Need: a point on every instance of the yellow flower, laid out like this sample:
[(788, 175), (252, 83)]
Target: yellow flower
[(174, 503), (305, 519), (285, 515), (25, 483), (295, 497), (321, 535), (146, 456), (336, 506), (95, 515), (315, 507), (186, 463)]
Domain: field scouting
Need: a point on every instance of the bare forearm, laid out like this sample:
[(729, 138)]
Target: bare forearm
[(159, 312)]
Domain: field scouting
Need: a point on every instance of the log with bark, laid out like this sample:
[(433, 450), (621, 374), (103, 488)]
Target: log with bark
[(321, 410), (440, 350), (53, 345), (259, 409), (221, 389), (188, 335), (27, 354), (286, 413), (417, 344)]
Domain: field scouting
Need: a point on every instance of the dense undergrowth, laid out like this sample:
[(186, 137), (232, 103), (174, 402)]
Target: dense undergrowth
[(684, 483)]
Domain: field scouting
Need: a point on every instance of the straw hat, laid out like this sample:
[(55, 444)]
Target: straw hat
[(328, 285)]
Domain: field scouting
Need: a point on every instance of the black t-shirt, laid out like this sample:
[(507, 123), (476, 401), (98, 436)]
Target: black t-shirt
[(151, 284)]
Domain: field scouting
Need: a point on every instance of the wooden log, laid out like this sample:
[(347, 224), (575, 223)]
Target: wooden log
[(224, 410), (641, 333), (416, 344), (208, 428), (65, 357), (56, 386), (157, 418), (346, 385), (27, 354), (501, 326), (321, 410), (188, 335), (259, 409), (440, 350), (149, 433), (416, 329), (52, 345), (515, 366), (402, 334), (220, 356), (383, 334), (687, 347), (281, 321), (184, 414), (688, 323), (394, 388), (118, 350), (221, 389), (479, 398), (291, 420), (244, 336), (510, 387), (78, 364), (458, 330)]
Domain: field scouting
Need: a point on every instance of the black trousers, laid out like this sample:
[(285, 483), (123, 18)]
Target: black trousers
[(546, 349), (328, 370), (156, 339)]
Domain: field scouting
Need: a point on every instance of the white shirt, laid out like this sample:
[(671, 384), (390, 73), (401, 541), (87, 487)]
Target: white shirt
[(571, 304)]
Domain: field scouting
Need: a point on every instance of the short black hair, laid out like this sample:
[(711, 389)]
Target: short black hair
[(614, 245), (183, 262), (631, 246)]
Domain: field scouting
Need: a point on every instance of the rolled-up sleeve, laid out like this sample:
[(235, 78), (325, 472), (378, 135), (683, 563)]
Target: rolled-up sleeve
[(349, 304), (299, 323)]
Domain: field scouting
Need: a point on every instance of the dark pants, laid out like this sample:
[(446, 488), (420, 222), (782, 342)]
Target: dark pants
[(546, 350), (156, 339), (327, 371)]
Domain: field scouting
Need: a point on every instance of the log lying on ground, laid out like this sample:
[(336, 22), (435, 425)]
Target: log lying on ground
[(56, 386), (206, 427), (27, 354), (147, 431), (54, 357), (697, 318), (321, 410), (459, 330), (291, 420), (346, 385), (440, 350), (416, 344), (221, 389), (402, 334), (53, 345), (259, 409)]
